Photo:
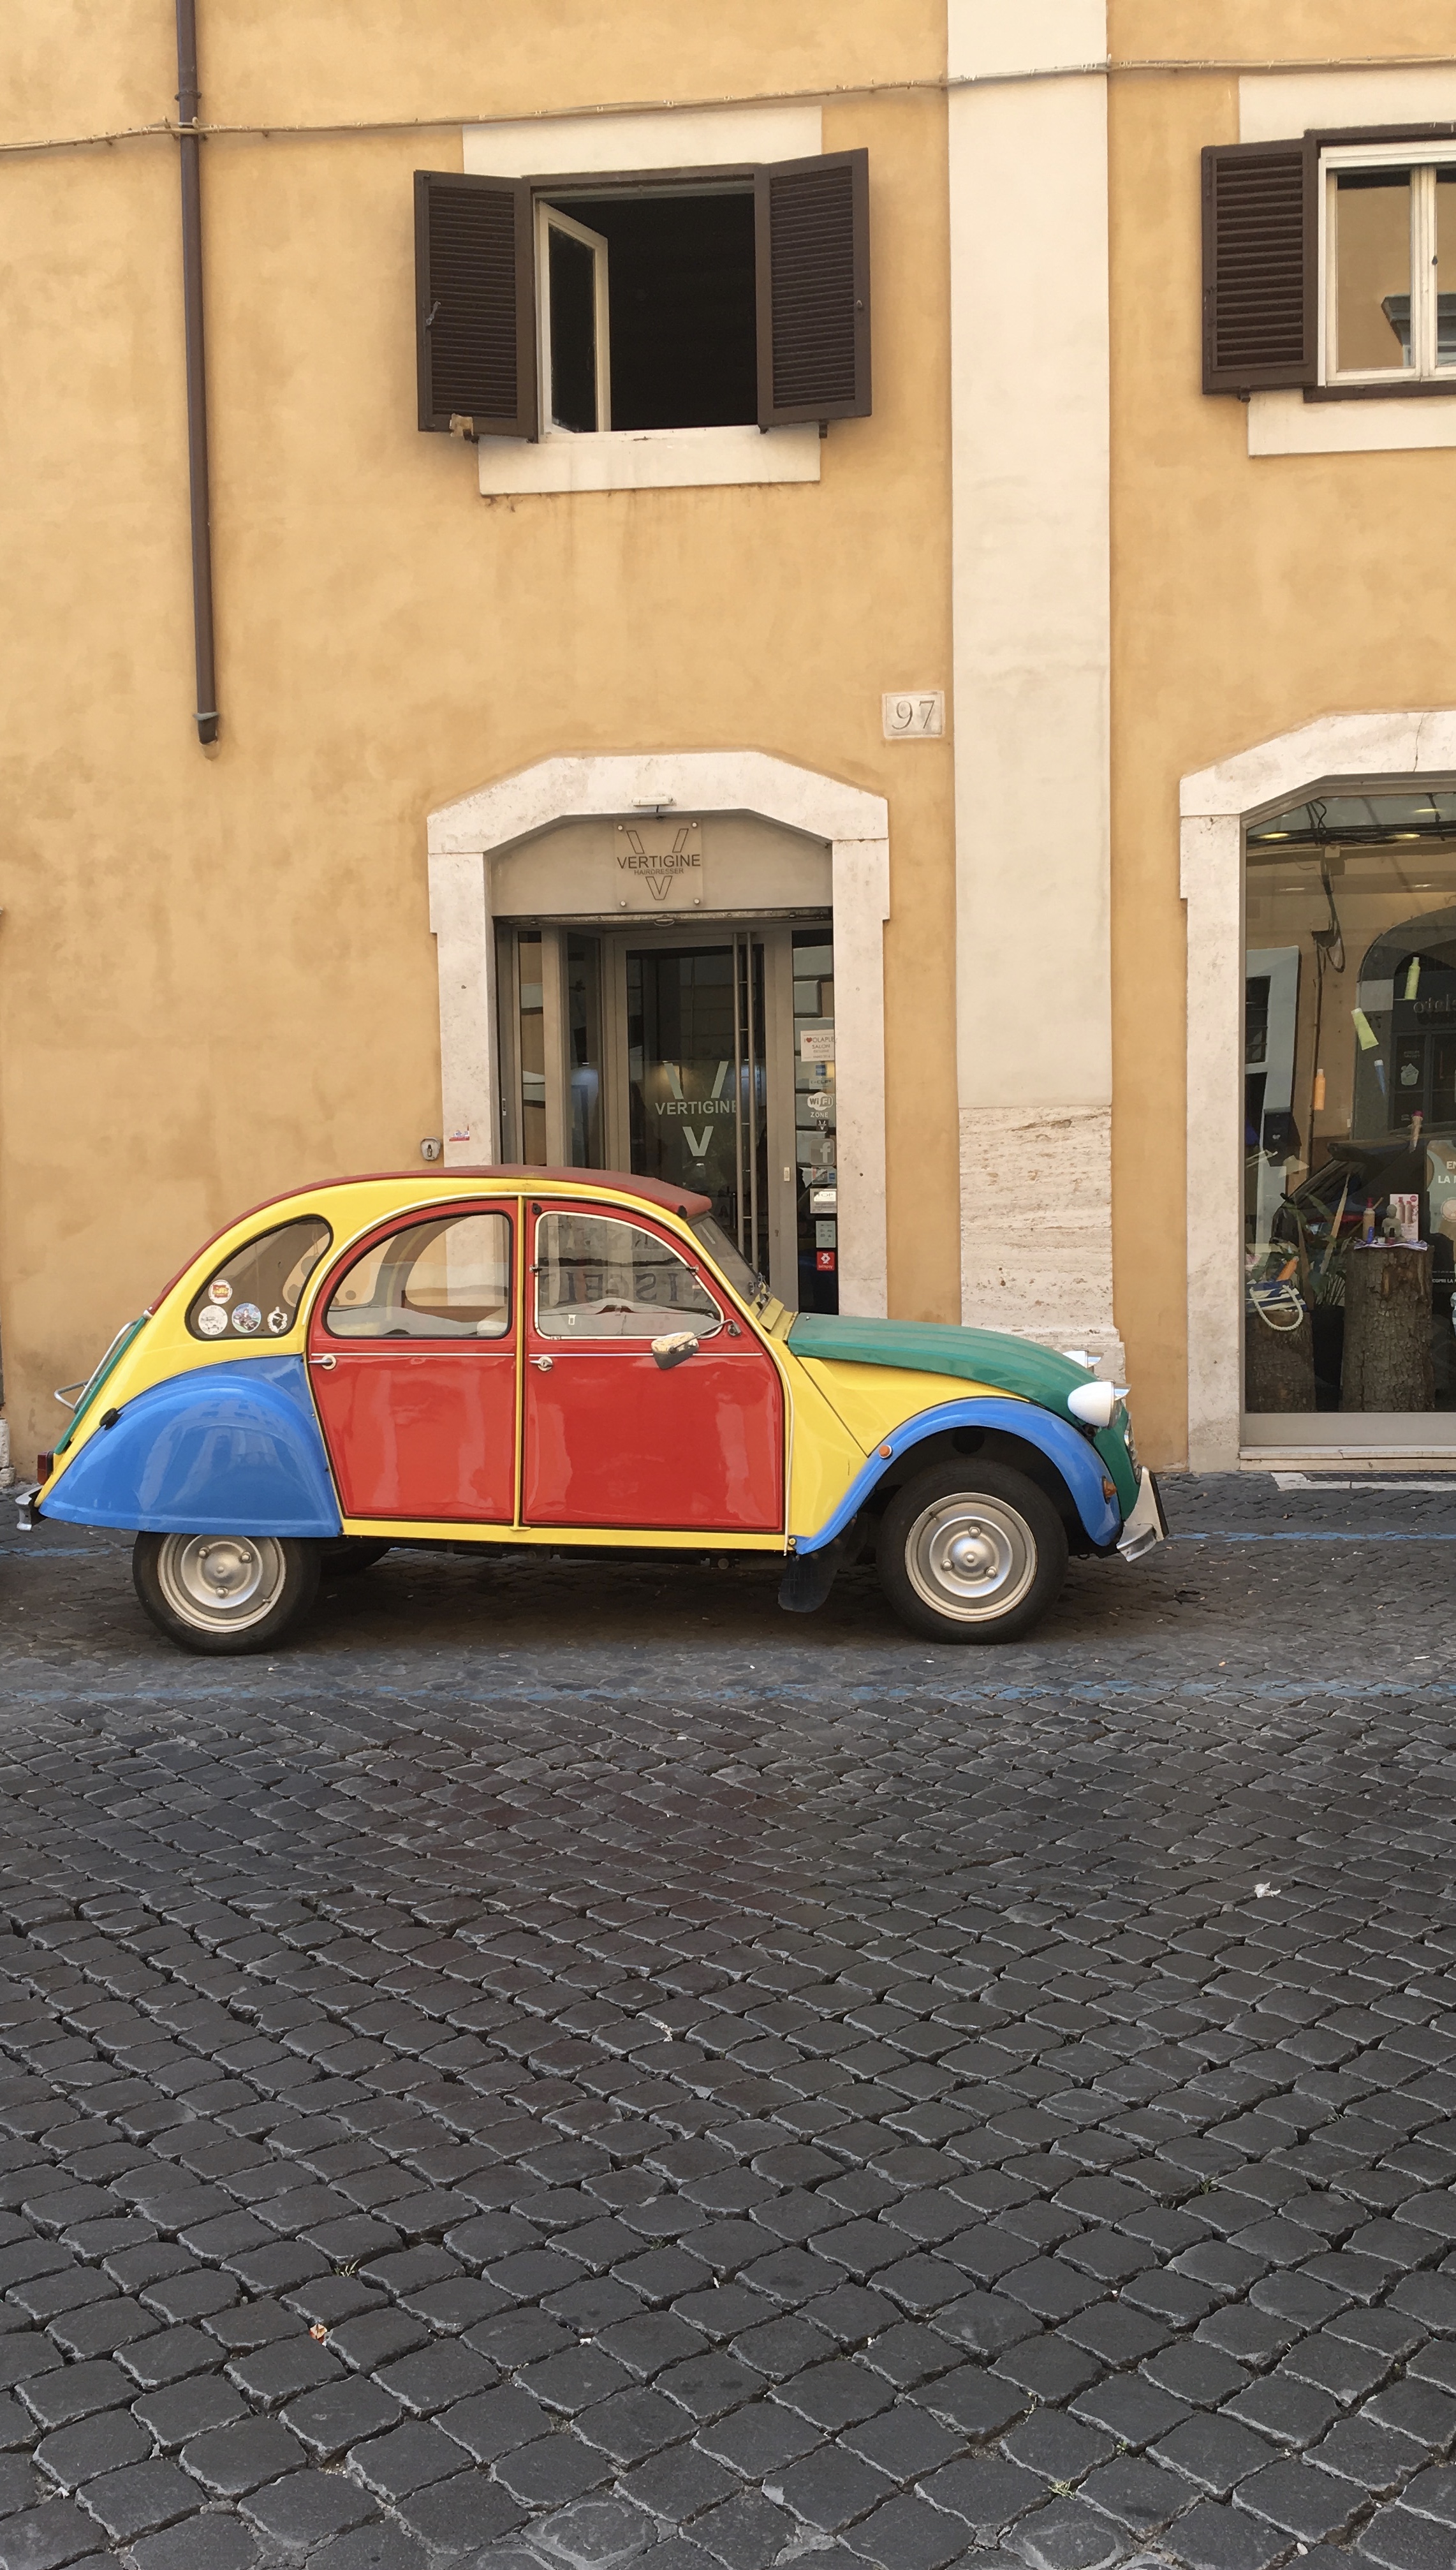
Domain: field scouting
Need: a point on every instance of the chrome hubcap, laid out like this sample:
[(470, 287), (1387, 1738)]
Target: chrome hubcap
[(970, 1557), (222, 1580)]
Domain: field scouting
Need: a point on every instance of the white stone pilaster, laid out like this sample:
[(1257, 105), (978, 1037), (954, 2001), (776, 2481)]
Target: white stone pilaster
[(1032, 650)]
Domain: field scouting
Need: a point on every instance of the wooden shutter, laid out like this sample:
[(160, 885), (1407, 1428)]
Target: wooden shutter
[(475, 290), (811, 241), (1261, 261)]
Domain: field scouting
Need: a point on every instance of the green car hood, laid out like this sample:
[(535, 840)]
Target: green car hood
[(992, 1357), (935, 1347)]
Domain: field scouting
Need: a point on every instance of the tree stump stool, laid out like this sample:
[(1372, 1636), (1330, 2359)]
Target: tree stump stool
[(1278, 1363), (1388, 1330)]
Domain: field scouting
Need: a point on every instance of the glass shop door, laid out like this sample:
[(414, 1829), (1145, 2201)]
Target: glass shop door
[(706, 1064), (696, 1083)]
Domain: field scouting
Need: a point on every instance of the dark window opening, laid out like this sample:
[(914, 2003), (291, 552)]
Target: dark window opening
[(682, 312)]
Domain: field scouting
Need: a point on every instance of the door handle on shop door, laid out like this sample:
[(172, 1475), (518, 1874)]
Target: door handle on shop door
[(543, 1364)]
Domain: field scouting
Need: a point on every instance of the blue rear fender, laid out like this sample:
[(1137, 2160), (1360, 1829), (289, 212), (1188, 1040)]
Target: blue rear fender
[(1072, 1456), (230, 1449)]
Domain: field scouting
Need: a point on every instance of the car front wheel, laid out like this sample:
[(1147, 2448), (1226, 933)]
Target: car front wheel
[(971, 1553), (224, 1593)]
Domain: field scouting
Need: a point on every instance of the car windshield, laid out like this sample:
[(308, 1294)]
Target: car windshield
[(727, 1257)]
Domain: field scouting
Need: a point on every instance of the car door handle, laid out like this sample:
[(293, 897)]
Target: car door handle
[(328, 1363), (542, 1365)]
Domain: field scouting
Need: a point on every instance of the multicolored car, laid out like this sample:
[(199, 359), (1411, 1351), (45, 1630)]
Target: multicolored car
[(521, 1357)]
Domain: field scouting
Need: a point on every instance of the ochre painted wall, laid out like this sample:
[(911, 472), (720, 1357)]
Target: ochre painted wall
[(216, 977), (1248, 595)]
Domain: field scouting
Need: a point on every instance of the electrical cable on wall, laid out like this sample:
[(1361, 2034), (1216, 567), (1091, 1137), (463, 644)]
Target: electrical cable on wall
[(932, 84)]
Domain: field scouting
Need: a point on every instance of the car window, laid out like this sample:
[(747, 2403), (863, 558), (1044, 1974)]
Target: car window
[(601, 1279), (726, 1254), (430, 1280), (255, 1292)]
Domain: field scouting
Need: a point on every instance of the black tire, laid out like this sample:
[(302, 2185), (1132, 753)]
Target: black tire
[(258, 1589), (349, 1554), (1012, 1560)]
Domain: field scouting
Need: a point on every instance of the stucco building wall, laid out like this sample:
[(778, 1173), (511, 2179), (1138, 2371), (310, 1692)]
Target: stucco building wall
[(217, 972)]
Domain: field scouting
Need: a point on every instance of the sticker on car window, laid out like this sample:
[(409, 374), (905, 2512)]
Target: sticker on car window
[(267, 1274)]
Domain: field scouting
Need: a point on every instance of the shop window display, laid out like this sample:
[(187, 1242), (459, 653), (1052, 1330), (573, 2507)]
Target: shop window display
[(1349, 1110)]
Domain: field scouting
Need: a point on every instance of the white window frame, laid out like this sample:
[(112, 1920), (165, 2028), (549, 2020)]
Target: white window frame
[(549, 219), (1422, 161)]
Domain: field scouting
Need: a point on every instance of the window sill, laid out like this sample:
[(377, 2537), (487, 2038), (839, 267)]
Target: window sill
[(652, 459), (1284, 423)]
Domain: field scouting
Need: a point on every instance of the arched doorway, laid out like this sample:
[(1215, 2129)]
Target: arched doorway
[(506, 840)]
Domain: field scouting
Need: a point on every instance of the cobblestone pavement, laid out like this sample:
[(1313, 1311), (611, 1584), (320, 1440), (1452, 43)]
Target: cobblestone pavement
[(566, 2068)]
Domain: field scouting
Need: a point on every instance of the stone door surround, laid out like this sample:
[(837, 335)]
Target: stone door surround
[(465, 837)]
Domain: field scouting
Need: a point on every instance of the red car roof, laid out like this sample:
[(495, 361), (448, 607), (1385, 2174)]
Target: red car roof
[(651, 1191)]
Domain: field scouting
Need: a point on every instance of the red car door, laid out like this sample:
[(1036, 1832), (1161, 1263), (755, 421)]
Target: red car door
[(611, 1438), (412, 1352)]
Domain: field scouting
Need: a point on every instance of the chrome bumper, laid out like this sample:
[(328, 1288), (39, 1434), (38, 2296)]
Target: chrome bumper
[(1145, 1526)]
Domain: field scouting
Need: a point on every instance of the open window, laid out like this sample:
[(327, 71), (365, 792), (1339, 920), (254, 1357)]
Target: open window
[(687, 300)]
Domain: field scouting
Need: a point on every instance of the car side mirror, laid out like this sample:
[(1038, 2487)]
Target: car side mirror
[(674, 1350)]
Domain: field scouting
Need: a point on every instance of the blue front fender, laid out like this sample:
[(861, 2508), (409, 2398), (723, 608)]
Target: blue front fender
[(228, 1449), (1075, 1459)]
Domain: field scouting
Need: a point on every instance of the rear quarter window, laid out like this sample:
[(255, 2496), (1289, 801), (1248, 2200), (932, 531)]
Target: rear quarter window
[(256, 1290)]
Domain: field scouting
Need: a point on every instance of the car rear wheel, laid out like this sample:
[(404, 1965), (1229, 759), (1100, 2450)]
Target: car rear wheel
[(971, 1553), (224, 1593)]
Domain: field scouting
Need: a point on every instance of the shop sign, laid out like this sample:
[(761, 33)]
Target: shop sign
[(659, 865), (816, 1044), (697, 1097)]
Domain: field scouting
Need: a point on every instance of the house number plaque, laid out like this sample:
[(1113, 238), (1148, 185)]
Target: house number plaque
[(914, 714)]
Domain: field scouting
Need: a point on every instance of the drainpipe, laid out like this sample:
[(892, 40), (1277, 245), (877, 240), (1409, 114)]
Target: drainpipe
[(190, 145)]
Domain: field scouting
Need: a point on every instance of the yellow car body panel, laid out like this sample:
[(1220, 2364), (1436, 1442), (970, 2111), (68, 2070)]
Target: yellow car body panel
[(874, 1402)]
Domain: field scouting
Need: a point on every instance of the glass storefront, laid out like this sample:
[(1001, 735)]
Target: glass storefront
[(583, 1049), (1350, 1116), (530, 1049), (708, 1064), (815, 1121)]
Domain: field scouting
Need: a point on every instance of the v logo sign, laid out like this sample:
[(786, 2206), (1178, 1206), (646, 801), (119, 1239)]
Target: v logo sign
[(659, 870)]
